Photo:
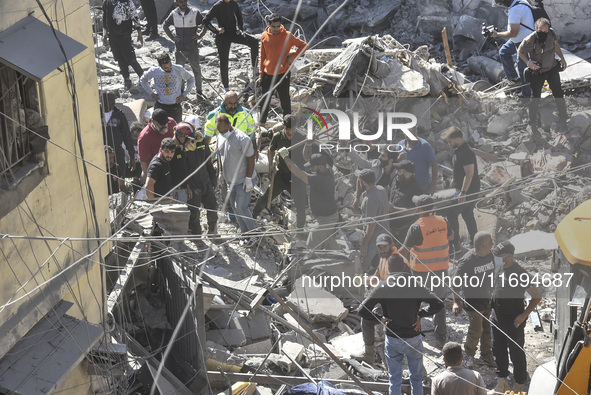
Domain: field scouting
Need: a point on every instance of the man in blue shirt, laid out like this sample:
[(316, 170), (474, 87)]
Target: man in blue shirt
[(422, 155)]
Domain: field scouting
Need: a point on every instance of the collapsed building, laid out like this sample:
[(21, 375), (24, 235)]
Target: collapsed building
[(186, 316)]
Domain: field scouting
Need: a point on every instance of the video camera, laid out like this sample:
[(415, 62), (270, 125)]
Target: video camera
[(487, 31)]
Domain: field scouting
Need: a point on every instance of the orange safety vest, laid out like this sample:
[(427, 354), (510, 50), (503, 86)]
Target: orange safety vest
[(433, 254), (383, 271)]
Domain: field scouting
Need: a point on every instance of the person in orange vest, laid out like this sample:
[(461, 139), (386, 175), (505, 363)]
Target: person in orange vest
[(427, 247), (386, 250)]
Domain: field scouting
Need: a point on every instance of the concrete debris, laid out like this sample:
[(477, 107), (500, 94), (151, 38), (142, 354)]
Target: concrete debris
[(219, 357), (316, 304), (533, 244)]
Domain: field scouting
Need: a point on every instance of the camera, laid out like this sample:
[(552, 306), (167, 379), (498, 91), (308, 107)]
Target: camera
[(487, 31)]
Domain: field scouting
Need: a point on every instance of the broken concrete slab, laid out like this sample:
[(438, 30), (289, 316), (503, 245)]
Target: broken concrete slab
[(226, 337), (254, 327), (373, 14), (258, 347), (280, 361), (348, 344), (533, 244), (499, 124), (315, 304)]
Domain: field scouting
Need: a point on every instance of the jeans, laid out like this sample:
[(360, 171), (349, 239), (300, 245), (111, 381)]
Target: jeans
[(224, 41), (506, 53), (396, 349), (500, 343), (192, 57), (239, 200), (282, 90), (478, 331), (467, 211)]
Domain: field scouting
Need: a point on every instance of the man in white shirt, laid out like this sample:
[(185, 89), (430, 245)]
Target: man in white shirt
[(520, 24)]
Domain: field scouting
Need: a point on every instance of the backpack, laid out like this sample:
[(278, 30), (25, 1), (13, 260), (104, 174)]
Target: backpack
[(537, 12)]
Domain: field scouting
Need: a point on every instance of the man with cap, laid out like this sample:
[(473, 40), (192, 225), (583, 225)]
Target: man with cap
[(381, 166), (421, 153), (401, 300), (427, 245), (385, 247), (169, 80), (178, 165), (509, 317), (237, 167), (282, 180), (476, 268), (457, 379), (159, 127), (374, 209), (322, 201), (404, 188)]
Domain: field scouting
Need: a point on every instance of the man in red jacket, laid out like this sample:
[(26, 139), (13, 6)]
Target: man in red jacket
[(276, 57)]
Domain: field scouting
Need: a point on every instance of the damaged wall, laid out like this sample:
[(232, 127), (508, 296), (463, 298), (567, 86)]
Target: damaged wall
[(59, 205)]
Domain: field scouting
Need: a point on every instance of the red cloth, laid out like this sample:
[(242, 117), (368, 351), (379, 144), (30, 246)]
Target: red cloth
[(148, 143), (272, 46)]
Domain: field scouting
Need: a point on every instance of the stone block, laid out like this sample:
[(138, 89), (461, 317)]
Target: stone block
[(226, 337), (294, 350), (499, 124), (254, 327), (348, 344), (280, 361), (315, 304), (259, 347)]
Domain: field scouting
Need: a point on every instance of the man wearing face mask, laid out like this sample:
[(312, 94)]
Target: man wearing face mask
[(538, 51), (168, 83), (520, 23), (159, 127)]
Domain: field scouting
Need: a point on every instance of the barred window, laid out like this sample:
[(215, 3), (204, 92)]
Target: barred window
[(19, 111)]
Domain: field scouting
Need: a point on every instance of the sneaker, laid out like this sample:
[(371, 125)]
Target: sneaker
[(249, 242), (127, 82)]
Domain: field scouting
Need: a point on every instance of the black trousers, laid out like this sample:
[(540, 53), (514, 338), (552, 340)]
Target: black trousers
[(149, 7), (175, 111), (537, 83), (205, 196), (282, 90), (223, 42), (123, 52), (500, 344)]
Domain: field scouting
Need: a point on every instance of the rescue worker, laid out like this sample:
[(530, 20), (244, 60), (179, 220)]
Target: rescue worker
[(427, 244)]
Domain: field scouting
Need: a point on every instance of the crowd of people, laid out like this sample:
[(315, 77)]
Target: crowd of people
[(405, 233)]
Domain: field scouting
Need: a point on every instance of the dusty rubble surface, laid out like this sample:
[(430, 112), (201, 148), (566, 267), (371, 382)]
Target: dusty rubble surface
[(531, 183)]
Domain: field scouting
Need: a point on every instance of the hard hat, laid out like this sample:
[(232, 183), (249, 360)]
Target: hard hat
[(184, 129)]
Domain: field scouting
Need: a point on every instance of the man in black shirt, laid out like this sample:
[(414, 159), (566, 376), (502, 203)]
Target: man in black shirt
[(228, 15), (400, 298), (405, 186), (322, 201), (476, 269), (466, 183), (178, 165), (509, 316), (159, 179)]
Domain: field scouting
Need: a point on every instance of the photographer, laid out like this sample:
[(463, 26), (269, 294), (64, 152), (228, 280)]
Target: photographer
[(538, 50), (519, 25)]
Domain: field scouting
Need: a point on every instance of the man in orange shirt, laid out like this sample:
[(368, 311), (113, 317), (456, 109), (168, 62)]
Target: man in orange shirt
[(276, 57)]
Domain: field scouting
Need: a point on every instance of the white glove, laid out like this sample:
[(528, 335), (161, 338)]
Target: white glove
[(248, 185), (283, 152)]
